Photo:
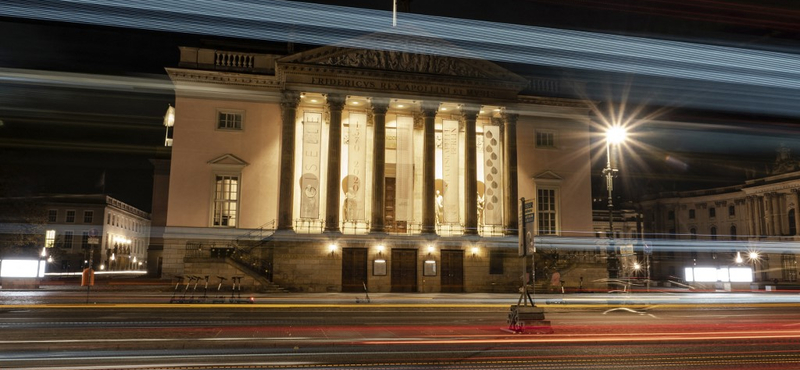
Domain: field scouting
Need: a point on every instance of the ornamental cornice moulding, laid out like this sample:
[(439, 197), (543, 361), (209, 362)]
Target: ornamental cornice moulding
[(224, 78), (303, 72), (556, 102)]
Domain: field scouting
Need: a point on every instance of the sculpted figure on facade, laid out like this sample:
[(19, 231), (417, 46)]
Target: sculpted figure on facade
[(403, 62)]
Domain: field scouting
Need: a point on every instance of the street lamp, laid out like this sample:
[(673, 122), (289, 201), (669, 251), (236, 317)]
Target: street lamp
[(615, 135), (753, 257)]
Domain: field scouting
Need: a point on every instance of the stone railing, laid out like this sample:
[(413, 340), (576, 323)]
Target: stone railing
[(227, 60)]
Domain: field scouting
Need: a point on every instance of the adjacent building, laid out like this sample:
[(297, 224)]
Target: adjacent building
[(721, 227), (78, 231)]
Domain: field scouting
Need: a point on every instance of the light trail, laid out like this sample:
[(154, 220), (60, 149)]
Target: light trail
[(747, 78), (609, 338)]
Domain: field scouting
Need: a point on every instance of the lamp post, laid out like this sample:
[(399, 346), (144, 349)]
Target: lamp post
[(614, 136)]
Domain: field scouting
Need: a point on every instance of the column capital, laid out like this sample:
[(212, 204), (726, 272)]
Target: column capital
[(470, 111), (379, 105), (335, 101), (509, 118), (290, 99), (429, 108)]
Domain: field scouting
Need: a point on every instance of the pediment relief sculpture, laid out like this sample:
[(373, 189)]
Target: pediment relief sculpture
[(404, 62)]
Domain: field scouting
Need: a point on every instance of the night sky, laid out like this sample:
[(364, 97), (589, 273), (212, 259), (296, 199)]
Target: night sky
[(55, 139)]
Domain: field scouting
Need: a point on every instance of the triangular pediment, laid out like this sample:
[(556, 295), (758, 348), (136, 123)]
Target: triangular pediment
[(547, 175), (398, 53), (228, 160)]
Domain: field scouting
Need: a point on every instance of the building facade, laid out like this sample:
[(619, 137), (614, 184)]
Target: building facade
[(96, 230), (77, 231), (754, 224), (336, 169)]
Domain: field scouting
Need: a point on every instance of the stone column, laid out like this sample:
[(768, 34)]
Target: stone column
[(286, 190), (751, 216), (335, 106), (470, 115), (429, 110), (796, 193), (759, 204), (511, 218), (770, 222), (777, 214), (379, 108)]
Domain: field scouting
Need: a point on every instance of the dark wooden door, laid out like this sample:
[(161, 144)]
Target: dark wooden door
[(452, 271), (404, 270), (354, 269)]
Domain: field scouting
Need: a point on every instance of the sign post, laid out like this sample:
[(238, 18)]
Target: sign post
[(522, 317)]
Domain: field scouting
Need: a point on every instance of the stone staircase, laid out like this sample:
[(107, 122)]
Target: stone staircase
[(266, 286)]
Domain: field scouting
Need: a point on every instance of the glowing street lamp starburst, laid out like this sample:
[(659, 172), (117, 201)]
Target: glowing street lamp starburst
[(616, 134)]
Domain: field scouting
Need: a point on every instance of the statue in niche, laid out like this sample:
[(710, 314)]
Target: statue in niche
[(439, 208), (349, 207), (480, 209)]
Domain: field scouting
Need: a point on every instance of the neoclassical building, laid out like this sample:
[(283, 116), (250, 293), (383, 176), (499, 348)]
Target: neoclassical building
[(337, 168), (711, 227)]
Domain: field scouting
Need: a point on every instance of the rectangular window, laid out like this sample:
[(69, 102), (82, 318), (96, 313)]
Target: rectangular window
[(671, 215), (496, 262), (229, 120), (546, 211), (85, 240), (67, 239), (70, 216), (88, 217), (712, 212), (226, 200), (52, 215), (691, 214), (545, 139), (731, 210), (49, 238)]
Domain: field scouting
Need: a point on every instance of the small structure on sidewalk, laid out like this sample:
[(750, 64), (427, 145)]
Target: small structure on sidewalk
[(523, 318)]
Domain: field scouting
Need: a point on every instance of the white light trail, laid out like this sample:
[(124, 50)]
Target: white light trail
[(331, 25)]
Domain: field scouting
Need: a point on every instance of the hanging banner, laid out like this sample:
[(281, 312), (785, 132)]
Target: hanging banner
[(353, 184), (309, 180), (493, 176), (450, 161), (404, 186)]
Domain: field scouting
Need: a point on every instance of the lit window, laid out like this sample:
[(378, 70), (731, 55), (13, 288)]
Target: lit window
[(229, 120), (546, 211), (52, 215), (50, 238), (545, 139), (70, 216), (88, 217), (226, 200)]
